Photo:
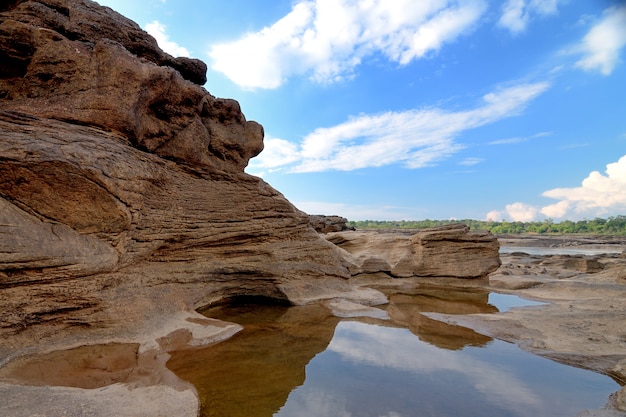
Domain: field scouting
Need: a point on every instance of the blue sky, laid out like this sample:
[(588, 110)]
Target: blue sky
[(407, 109)]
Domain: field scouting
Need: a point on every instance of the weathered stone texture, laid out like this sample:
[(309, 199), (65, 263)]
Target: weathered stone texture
[(448, 251), (327, 224), (120, 177)]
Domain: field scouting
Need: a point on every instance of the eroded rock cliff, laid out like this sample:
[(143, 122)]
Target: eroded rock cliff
[(121, 179)]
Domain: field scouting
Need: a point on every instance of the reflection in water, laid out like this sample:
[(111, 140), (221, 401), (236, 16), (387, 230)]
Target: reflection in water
[(405, 310), (505, 302), (252, 373), (370, 370), (300, 361)]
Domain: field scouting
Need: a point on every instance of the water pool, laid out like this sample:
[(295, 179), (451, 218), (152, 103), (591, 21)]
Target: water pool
[(301, 361)]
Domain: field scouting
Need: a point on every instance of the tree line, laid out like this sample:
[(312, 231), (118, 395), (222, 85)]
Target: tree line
[(612, 226)]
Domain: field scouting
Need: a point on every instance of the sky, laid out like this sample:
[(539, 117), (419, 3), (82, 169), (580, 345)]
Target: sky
[(420, 109)]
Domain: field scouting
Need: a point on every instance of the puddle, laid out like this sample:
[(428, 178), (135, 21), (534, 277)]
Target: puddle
[(505, 302), (301, 361), (371, 371), (252, 373), (91, 366)]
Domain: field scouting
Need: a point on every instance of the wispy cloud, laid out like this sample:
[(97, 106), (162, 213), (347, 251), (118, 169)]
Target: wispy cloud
[(159, 32), (468, 162), (598, 196), (518, 139), (327, 40), (602, 44), (517, 14), (415, 138), (357, 211)]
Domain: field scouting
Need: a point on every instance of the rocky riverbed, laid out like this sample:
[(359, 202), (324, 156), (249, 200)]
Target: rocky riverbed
[(125, 208), (581, 324)]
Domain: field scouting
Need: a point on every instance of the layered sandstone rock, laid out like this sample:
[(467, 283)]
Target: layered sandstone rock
[(327, 224), (121, 178), (447, 251)]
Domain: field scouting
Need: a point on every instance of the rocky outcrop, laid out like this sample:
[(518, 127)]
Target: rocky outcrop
[(447, 251), (83, 21), (121, 178), (327, 224)]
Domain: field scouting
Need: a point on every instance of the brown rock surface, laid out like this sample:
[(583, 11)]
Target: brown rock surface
[(78, 62), (448, 251), (327, 224)]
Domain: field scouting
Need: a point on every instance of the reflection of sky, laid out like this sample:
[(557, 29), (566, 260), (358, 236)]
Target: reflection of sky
[(377, 371), (504, 302)]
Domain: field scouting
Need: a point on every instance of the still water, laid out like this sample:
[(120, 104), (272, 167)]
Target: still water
[(301, 361), (543, 251)]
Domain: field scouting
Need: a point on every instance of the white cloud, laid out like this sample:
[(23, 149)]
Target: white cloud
[(415, 138), (520, 212), (598, 196), (327, 40), (276, 152), (158, 31), (356, 212), (602, 44), (494, 216), (468, 162), (519, 139), (516, 14)]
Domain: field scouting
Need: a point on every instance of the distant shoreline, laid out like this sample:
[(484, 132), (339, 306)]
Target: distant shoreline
[(613, 226)]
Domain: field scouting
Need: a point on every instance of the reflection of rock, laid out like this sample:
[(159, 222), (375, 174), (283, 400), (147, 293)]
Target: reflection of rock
[(448, 251), (406, 310), (253, 373)]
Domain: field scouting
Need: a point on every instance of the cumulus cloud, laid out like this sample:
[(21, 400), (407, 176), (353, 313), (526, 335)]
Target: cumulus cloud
[(414, 138), (602, 44), (517, 14), (276, 153), (327, 40), (158, 32), (599, 195)]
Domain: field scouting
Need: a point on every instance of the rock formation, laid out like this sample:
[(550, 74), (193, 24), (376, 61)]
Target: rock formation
[(447, 251), (327, 224), (117, 171)]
